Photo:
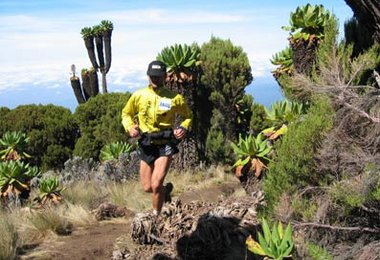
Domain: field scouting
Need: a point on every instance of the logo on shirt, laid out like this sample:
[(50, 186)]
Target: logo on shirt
[(165, 104)]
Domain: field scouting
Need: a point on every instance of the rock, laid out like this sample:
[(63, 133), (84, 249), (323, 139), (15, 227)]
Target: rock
[(107, 210)]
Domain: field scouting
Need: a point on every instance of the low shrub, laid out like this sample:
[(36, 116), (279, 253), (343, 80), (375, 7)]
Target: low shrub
[(294, 164)]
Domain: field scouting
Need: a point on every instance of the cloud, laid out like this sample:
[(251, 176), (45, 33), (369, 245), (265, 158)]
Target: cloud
[(41, 53)]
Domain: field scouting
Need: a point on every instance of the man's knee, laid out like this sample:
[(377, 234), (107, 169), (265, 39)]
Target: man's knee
[(156, 187), (148, 188)]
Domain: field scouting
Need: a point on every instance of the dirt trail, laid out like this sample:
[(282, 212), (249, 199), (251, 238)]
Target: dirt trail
[(97, 242), (93, 242)]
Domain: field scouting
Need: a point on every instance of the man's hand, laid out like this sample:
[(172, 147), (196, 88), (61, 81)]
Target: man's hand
[(179, 132), (134, 131)]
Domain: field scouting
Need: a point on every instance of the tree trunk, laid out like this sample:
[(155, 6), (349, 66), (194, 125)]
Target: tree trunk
[(89, 43), (188, 156), (107, 48), (94, 82), (99, 50), (86, 84), (75, 84), (104, 82), (368, 14), (304, 55)]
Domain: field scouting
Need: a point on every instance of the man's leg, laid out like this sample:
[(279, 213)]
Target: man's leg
[(146, 171), (161, 167)]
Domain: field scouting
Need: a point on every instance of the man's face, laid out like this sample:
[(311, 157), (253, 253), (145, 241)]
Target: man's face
[(156, 81)]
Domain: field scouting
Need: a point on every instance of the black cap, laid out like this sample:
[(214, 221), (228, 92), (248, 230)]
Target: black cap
[(156, 69)]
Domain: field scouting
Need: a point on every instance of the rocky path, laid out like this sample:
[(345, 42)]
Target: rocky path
[(97, 241)]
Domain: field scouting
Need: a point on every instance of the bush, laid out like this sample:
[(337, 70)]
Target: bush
[(45, 126), (225, 72), (99, 120), (294, 164)]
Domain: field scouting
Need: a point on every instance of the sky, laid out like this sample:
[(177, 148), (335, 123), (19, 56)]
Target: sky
[(40, 40)]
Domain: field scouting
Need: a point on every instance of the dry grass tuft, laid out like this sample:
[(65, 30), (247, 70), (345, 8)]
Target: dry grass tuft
[(9, 238), (77, 215), (199, 180), (129, 194), (49, 220), (86, 194)]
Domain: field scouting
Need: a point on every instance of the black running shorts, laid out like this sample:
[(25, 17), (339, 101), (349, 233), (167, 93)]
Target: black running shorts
[(150, 153)]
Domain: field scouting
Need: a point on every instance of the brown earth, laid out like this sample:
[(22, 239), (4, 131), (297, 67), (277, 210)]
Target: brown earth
[(97, 242)]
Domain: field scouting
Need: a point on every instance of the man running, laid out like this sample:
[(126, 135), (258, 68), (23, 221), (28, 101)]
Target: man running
[(149, 115)]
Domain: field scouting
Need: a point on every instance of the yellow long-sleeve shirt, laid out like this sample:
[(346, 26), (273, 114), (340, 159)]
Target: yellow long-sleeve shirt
[(155, 110)]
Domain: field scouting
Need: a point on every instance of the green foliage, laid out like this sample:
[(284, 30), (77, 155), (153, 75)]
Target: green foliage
[(293, 166), (15, 145), (215, 144), (114, 150), (178, 57), (318, 253), (284, 112), (308, 21), (357, 191), (335, 58), (15, 177), (258, 120), (49, 191), (274, 243), (99, 121), (45, 126), (225, 72), (106, 25), (304, 208), (253, 150), (87, 32), (244, 113), (49, 186), (284, 59)]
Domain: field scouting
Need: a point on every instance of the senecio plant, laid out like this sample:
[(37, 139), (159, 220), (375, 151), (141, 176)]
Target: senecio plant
[(281, 114), (251, 153), (49, 191), (308, 22), (13, 146), (276, 244), (283, 59), (114, 150)]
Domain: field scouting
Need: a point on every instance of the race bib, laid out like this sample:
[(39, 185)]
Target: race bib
[(165, 104)]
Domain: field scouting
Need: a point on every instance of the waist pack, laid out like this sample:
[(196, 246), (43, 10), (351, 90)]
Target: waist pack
[(158, 138)]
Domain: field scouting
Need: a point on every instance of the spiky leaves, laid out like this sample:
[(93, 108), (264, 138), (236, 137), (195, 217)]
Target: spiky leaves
[(49, 191), (180, 59), (13, 145), (15, 177), (88, 37), (283, 59), (114, 150), (307, 25), (107, 27), (281, 114), (308, 22), (276, 243), (251, 153)]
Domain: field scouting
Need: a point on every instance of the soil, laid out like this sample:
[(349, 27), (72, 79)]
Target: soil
[(97, 242), (93, 242)]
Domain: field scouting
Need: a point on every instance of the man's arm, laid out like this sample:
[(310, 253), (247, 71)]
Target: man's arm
[(128, 113), (187, 116)]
